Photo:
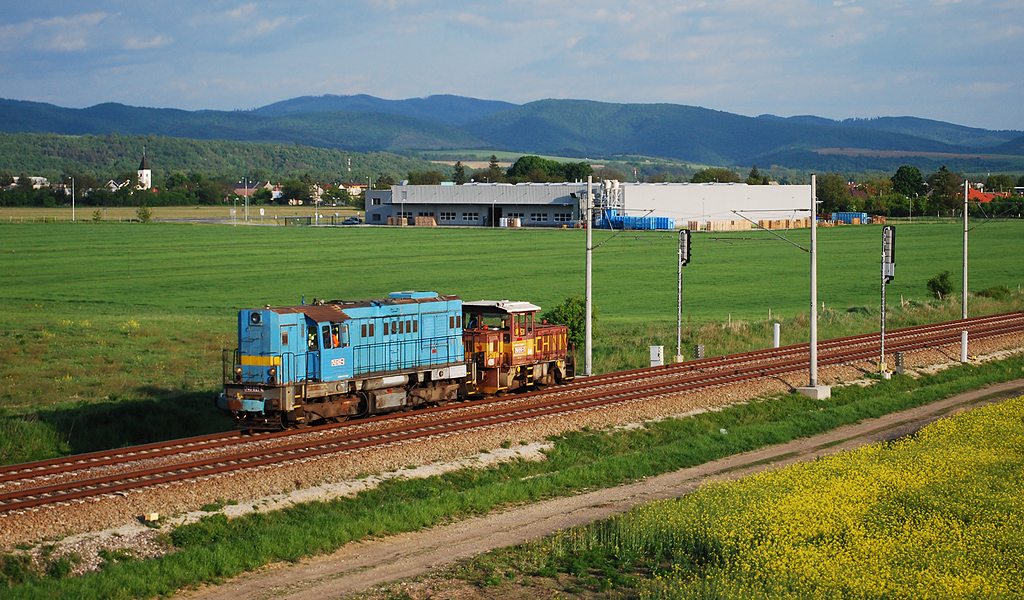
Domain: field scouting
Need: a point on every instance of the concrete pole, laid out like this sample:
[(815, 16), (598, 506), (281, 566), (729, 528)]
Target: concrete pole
[(590, 279), (964, 312), (814, 283)]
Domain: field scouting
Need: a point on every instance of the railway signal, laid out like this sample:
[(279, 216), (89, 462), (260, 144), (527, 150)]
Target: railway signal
[(684, 259), (888, 274)]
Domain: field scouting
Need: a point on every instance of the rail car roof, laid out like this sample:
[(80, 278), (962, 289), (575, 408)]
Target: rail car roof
[(334, 310), (499, 306)]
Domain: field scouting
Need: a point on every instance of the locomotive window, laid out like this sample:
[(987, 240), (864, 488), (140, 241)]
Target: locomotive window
[(364, 330), (415, 326), (401, 327), (394, 327), (408, 326), (313, 343), (345, 342), (371, 329), (327, 336), (284, 338), (451, 322), (458, 321), (335, 336)]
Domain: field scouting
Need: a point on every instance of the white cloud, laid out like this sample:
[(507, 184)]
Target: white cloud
[(157, 41)]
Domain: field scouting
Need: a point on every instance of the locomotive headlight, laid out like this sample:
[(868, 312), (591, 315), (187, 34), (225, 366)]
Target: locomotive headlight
[(273, 371), (238, 373), (272, 375)]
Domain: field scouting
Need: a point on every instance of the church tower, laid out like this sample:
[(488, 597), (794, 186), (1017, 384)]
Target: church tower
[(145, 174)]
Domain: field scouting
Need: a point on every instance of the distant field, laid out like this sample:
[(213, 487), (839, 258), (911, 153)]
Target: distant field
[(118, 327), (124, 213)]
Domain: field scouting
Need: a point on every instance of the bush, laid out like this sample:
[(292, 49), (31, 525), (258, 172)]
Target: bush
[(941, 285), (144, 214), (996, 292)]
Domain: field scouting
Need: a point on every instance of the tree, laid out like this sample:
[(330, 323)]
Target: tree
[(425, 177), (534, 168), (294, 189), (143, 213), (999, 183), (384, 182), (460, 173), (833, 193), (572, 312), (945, 187), (941, 285), (715, 175), (908, 181), (756, 178)]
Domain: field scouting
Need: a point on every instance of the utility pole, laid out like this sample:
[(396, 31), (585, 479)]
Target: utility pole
[(966, 186), (813, 390), (588, 353)]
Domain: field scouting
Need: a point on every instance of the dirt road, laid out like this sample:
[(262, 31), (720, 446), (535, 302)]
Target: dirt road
[(359, 566)]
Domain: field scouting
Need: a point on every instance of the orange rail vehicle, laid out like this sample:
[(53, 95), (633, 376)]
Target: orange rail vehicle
[(511, 350)]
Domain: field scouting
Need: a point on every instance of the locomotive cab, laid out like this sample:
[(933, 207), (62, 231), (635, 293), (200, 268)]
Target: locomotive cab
[(511, 349)]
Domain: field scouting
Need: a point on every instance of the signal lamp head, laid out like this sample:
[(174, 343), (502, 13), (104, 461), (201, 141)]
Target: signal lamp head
[(238, 373)]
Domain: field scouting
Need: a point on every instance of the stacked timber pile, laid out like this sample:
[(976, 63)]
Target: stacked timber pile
[(426, 222)]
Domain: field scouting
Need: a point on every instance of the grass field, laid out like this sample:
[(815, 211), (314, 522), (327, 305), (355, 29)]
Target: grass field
[(111, 332), (11, 215)]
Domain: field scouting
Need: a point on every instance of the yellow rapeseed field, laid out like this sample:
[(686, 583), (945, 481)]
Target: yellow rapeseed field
[(937, 515)]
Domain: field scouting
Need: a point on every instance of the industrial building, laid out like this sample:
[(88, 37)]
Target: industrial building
[(693, 205)]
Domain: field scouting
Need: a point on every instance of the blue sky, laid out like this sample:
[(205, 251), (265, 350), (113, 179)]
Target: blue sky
[(960, 61)]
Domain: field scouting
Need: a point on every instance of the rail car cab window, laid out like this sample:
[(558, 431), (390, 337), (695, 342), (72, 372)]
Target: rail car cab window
[(313, 343), (328, 341)]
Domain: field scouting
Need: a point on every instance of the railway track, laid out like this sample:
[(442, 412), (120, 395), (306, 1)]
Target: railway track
[(77, 478)]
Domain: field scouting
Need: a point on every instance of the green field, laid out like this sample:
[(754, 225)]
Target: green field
[(111, 332)]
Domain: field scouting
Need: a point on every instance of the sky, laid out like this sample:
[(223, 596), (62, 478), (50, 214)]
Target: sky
[(960, 61)]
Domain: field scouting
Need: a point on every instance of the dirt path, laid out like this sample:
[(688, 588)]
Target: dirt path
[(359, 566)]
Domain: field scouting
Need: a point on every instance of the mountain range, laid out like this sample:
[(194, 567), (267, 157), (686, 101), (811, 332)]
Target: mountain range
[(571, 128)]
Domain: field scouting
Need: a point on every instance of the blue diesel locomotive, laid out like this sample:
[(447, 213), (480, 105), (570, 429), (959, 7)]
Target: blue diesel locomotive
[(295, 365)]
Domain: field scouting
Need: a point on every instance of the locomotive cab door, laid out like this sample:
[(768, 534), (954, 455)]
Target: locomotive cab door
[(312, 351), (335, 352)]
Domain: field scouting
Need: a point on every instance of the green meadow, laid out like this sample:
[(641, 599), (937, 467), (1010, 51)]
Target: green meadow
[(111, 333)]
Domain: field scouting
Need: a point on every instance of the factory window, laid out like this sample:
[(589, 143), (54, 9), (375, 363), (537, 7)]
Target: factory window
[(471, 217), (374, 201), (284, 338), (539, 217), (515, 215), (405, 214), (425, 214), (447, 216), (563, 217), (376, 217)]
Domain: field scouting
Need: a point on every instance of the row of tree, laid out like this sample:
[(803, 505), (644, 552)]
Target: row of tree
[(908, 192)]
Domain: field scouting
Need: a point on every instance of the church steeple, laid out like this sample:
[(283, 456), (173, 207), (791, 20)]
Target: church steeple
[(145, 174)]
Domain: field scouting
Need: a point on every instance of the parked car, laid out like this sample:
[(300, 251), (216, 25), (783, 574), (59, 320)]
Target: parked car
[(352, 221)]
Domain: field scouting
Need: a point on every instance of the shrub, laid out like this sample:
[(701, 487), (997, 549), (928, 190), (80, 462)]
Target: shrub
[(941, 285), (996, 292), (144, 214)]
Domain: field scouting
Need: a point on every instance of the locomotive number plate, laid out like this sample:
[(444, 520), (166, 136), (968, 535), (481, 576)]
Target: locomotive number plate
[(337, 362)]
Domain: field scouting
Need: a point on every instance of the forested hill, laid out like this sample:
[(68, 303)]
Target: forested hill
[(352, 131), (572, 128), (108, 156), (450, 110)]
